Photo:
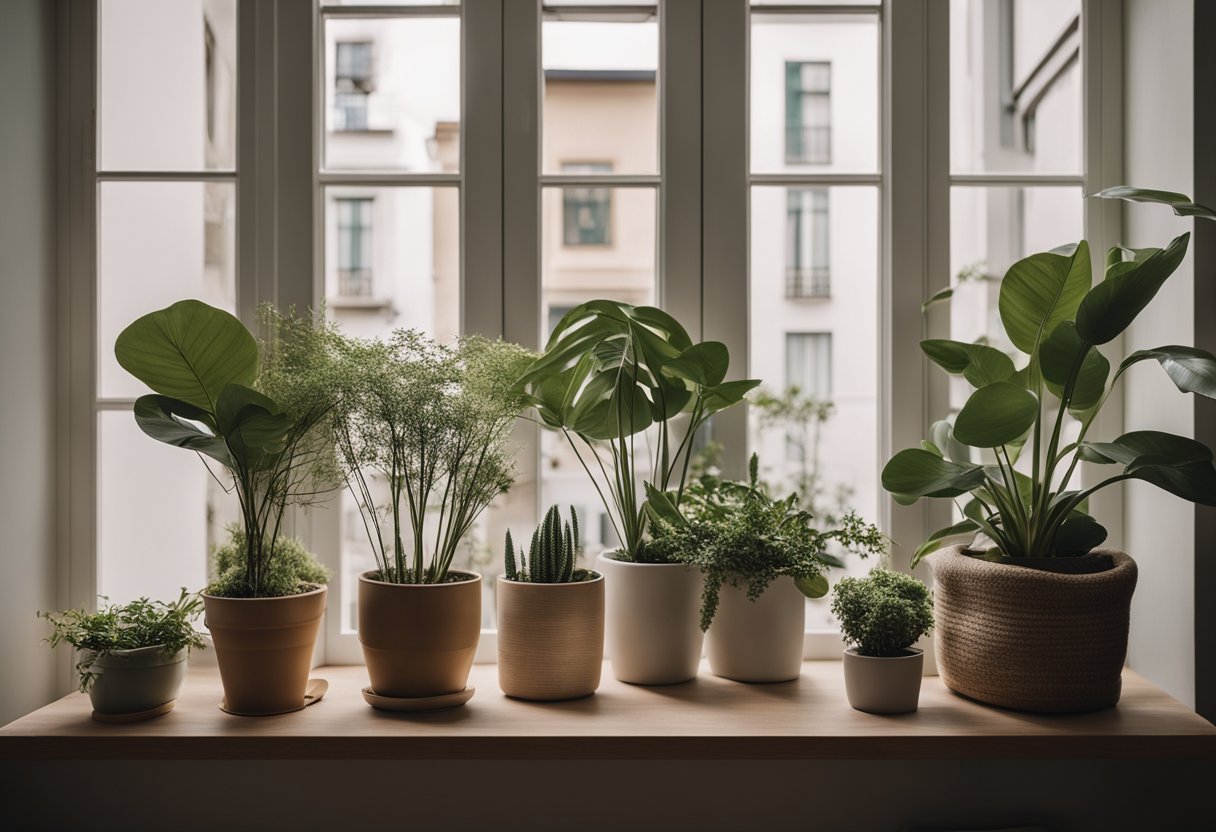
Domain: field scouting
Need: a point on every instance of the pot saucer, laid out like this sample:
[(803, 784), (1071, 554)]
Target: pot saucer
[(417, 703), (312, 695), (136, 716)]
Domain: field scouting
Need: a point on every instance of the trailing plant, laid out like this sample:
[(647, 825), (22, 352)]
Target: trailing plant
[(215, 396), (1057, 319), (114, 627), (882, 614), (741, 536), (291, 569), (552, 557), (609, 372), (422, 432)]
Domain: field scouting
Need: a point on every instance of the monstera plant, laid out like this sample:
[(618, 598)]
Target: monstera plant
[(1057, 319)]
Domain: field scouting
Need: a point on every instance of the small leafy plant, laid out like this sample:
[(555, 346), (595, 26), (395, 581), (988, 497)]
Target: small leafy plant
[(741, 536), (1054, 315), (552, 557), (292, 569), (882, 614), (114, 627)]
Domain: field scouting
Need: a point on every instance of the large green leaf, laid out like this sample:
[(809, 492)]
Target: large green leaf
[(252, 425), (1059, 356), (1181, 203), (995, 415), (1078, 534), (189, 351), (1041, 290), (1145, 443), (727, 394), (916, 472), (944, 537), (980, 364), (1191, 369), (812, 586), (1193, 481), (179, 423), (941, 433), (704, 364), (1114, 303)]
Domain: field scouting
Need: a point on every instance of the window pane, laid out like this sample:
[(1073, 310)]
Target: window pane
[(159, 242), (814, 93), (814, 340), (392, 94), (600, 95), (390, 3), (1015, 86), (167, 86)]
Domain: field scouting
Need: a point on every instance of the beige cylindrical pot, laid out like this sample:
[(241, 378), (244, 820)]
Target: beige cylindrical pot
[(652, 630), (761, 640), (419, 639), (264, 649), (550, 638), (883, 684), (1031, 639), (133, 681)]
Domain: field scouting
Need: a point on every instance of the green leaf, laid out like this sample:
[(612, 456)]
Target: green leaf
[(939, 296), (660, 506), (1191, 369), (1057, 358), (1113, 304), (251, 424), (941, 433), (813, 586), (1145, 443), (979, 364), (943, 537), (1078, 534), (1193, 481), (1041, 290), (1181, 203), (915, 472), (179, 423), (726, 394), (624, 412), (704, 364), (995, 415), (189, 351)]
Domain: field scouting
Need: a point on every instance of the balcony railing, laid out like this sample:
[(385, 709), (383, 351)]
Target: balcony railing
[(812, 282), (355, 283), (808, 145)]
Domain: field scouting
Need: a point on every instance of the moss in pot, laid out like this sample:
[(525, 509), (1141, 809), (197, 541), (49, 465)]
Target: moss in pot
[(881, 616)]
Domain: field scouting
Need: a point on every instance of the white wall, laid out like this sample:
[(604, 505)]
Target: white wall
[(1159, 528), (28, 512)]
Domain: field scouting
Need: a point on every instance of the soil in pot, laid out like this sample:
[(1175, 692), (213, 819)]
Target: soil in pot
[(883, 684), (264, 649), (550, 638), (761, 640), (133, 682)]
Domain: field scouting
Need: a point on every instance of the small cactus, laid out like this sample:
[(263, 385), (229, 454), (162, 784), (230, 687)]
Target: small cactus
[(552, 555)]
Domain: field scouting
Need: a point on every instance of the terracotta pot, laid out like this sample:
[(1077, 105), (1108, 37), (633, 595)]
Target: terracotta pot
[(883, 684), (419, 639), (550, 638), (761, 640), (1031, 639), (652, 620), (131, 681), (264, 649)]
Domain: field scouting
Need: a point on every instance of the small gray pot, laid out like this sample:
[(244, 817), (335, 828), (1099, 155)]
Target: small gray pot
[(133, 681), (883, 684)]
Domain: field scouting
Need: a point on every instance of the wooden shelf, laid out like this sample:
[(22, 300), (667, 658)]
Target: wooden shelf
[(710, 718)]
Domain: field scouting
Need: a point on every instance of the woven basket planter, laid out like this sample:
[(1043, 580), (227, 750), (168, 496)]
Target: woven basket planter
[(1031, 639)]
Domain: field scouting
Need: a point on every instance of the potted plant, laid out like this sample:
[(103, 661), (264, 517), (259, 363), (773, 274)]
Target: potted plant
[(1032, 614), (881, 616), (422, 432), (610, 373), (131, 658), (550, 616), (762, 558), (215, 396)]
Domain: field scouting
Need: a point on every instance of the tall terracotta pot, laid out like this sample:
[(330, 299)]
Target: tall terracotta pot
[(761, 640), (550, 638), (1031, 639), (419, 640), (264, 649)]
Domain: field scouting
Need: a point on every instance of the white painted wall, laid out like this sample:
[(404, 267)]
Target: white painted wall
[(1159, 528)]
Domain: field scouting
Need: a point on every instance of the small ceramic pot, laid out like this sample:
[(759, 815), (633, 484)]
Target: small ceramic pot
[(133, 681), (419, 640), (883, 684), (761, 640), (652, 620), (550, 638)]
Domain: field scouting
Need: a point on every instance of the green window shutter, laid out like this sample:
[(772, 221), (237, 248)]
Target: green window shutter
[(793, 110)]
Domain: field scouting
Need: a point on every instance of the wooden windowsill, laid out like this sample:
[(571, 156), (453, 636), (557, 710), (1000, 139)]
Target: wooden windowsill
[(709, 718)]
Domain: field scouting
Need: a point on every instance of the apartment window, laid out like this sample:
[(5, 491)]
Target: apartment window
[(352, 84), (807, 263), (808, 363), (808, 112), (209, 77), (354, 247), (586, 211)]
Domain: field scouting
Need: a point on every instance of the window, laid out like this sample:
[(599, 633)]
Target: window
[(354, 246), (808, 363), (808, 112), (353, 83), (209, 77), (586, 212), (807, 258)]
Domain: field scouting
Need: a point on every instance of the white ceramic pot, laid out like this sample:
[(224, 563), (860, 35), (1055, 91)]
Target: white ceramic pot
[(761, 640), (883, 684), (652, 632)]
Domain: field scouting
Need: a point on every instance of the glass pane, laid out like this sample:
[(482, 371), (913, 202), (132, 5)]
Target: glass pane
[(159, 242), (818, 3), (390, 2), (167, 86), (159, 514), (814, 93), (814, 341), (392, 94), (601, 95), (1015, 86)]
